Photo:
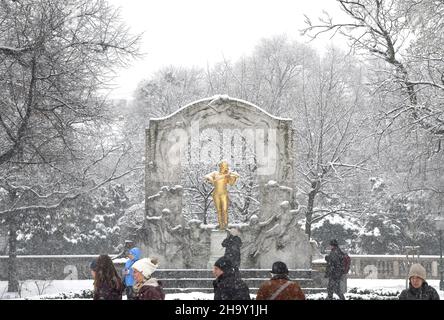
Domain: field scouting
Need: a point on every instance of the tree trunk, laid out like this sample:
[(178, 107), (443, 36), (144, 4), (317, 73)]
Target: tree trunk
[(310, 205), (13, 284), (205, 213)]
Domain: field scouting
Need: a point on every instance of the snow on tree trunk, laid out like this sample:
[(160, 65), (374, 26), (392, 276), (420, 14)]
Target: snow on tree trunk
[(310, 205)]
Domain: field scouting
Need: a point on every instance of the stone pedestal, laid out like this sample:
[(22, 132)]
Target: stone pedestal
[(318, 273), (216, 249)]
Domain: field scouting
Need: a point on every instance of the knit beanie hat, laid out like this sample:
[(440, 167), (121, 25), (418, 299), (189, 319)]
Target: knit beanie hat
[(417, 270), (224, 264), (146, 266)]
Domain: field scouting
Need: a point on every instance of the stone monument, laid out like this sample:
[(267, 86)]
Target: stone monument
[(175, 142)]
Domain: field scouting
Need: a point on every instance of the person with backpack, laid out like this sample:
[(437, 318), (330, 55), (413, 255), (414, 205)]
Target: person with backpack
[(280, 287), (228, 285), (128, 272), (338, 264), (418, 289)]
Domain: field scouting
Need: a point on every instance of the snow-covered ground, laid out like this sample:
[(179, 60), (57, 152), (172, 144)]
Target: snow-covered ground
[(41, 289)]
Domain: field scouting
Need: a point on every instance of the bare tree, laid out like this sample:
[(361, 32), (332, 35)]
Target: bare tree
[(328, 126), (54, 58), (42, 286), (408, 37), (168, 90), (267, 77), (200, 198)]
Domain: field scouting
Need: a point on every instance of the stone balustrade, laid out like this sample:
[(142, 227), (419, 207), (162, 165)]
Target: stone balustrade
[(391, 267), (388, 266), (77, 267)]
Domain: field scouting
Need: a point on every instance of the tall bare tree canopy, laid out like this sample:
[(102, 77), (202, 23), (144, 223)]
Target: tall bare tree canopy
[(54, 56), (409, 37)]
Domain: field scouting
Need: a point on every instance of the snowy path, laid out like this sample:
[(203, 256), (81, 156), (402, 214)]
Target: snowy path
[(30, 289)]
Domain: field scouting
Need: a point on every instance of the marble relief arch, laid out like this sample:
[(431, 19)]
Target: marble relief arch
[(193, 140)]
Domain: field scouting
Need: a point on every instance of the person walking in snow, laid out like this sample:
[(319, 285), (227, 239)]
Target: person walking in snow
[(228, 284), (127, 272), (146, 287), (107, 283), (280, 287), (232, 245), (334, 271), (418, 289)]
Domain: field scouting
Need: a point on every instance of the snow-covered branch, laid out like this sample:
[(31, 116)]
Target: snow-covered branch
[(11, 51), (66, 198)]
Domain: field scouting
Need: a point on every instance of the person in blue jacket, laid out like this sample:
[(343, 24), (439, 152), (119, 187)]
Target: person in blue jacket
[(128, 272)]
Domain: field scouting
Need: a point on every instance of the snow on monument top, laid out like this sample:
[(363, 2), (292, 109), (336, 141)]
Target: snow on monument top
[(219, 99)]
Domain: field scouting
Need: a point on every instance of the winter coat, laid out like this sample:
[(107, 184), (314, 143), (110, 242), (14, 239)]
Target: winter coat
[(335, 264), (425, 292), (291, 292), (229, 286), (232, 245), (106, 292), (128, 279), (151, 289)]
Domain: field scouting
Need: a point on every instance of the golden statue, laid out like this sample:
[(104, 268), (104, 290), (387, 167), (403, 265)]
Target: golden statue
[(220, 179)]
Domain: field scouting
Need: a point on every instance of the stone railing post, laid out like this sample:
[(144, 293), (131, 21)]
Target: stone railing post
[(396, 268)]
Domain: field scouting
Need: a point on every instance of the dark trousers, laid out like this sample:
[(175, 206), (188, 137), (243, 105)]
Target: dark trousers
[(129, 293), (334, 286)]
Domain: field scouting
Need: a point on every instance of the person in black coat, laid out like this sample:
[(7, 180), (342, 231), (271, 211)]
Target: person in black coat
[(228, 285), (418, 287), (334, 271), (232, 245)]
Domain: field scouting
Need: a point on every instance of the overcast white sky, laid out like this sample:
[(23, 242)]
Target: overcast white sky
[(201, 32)]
